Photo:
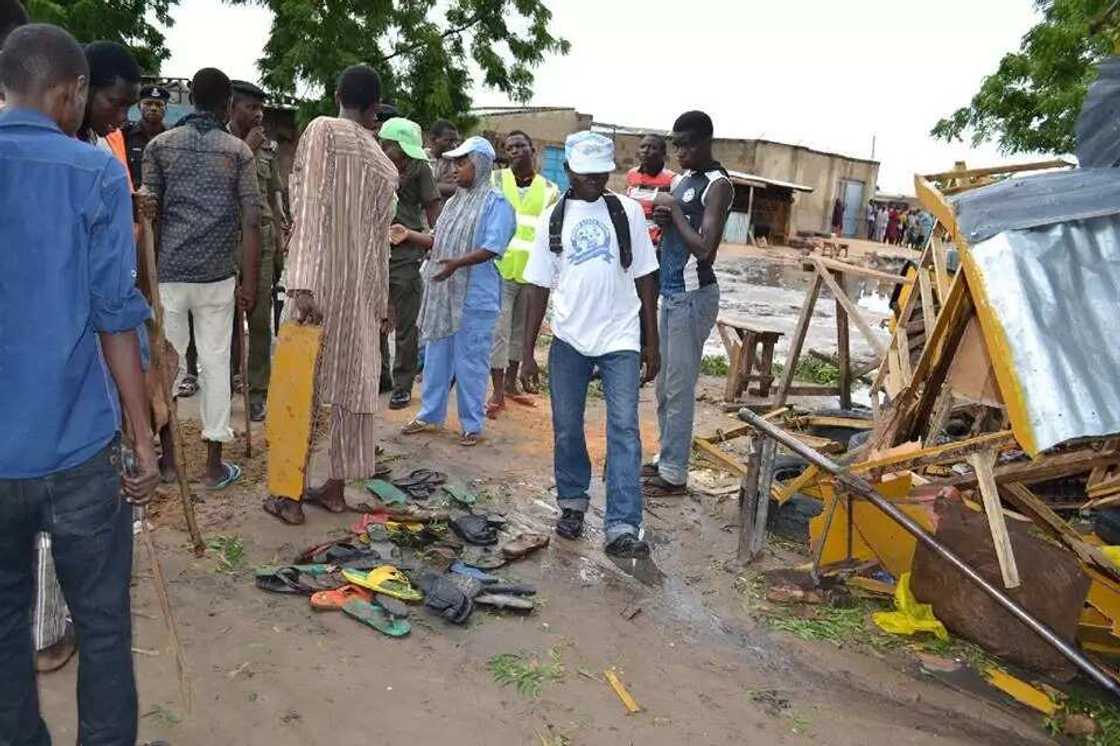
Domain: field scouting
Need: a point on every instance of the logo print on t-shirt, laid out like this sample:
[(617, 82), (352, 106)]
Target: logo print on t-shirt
[(688, 195), (590, 239)]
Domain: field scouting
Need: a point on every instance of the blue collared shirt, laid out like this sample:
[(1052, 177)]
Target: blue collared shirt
[(67, 272)]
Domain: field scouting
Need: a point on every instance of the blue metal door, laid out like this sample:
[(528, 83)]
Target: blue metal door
[(552, 166), (851, 192)]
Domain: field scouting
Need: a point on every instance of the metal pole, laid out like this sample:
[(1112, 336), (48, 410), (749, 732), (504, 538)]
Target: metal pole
[(864, 488)]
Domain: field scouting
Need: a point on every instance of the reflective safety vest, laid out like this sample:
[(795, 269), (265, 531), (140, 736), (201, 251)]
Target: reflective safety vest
[(540, 194)]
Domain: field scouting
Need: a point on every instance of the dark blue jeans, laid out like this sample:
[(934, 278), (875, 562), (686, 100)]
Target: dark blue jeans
[(569, 374), (91, 538)]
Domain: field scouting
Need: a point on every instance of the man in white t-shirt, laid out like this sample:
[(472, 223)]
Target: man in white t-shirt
[(600, 272)]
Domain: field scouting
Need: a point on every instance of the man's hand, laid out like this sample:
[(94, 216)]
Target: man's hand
[(145, 206), (306, 310), (651, 363), (664, 199), (139, 486), (246, 297), (255, 138), (530, 374), (449, 267), (398, 234), (663, 216)]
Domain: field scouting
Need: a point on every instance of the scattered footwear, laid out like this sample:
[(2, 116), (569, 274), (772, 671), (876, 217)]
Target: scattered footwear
[(400, 399), (336, 553), (628, 546), (232, 472), (334, 600), (505, 601), (257, 412), (570, 524), (287, 579), (460, 495), (187, 388), (394, 606), (418, 426), (421, 483), (286, 510), (484, 558), (524, 543), (658, 487), (444, 595), (475, 529), (386, 492), (376, 617), (387, 580), (460, 568)]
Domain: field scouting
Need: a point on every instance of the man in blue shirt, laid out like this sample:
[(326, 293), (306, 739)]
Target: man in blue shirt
[(68, 313)]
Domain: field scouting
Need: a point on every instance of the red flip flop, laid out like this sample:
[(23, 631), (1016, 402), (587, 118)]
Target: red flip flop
[(335, 599)]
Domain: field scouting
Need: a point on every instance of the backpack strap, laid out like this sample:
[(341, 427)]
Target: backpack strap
[(621, 227), (556, 225), (619, 221)]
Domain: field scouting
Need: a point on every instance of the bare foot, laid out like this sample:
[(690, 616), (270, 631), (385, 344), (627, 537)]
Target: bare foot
[(289, 511), (168, 474)]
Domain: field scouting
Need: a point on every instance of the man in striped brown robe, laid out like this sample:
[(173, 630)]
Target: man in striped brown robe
[(343, 189)]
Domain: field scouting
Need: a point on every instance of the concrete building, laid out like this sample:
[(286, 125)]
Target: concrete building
[(793, 187)]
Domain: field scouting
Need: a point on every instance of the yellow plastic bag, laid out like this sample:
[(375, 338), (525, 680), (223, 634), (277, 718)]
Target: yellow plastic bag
[(910, 616), (1113, 553)]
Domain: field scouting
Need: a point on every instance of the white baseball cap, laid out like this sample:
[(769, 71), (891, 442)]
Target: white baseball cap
[(474, 144), (589, 153)]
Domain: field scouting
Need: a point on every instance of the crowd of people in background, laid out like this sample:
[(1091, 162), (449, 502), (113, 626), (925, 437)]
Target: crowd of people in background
[(898, 225)]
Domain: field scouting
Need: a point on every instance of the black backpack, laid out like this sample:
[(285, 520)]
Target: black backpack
[(618, 219)]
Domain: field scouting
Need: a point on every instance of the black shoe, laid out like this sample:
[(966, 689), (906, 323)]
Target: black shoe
[(400, 399), (628, 546), (570, 525), (386, 384), (256, 411)]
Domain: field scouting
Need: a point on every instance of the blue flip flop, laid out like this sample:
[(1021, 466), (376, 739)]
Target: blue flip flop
[(233, 473)]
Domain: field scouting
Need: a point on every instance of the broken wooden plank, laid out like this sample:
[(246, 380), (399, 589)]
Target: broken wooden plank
[(855, 269), (984, 465), (798, 339), (1043, 468), (853, 311)]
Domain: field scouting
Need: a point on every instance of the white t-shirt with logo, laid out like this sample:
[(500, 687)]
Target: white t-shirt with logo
[(595, 304)]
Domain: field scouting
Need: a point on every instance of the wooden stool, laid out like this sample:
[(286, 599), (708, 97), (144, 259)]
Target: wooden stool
[(748, 349)]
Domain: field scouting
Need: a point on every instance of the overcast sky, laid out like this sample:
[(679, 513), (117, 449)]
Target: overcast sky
[(828, 74)]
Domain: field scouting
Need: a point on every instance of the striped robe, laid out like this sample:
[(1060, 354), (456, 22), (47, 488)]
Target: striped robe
[(342, 190)]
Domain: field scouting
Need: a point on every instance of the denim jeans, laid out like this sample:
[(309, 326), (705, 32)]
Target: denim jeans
[(91, 540), (686, 321), (569, 374)]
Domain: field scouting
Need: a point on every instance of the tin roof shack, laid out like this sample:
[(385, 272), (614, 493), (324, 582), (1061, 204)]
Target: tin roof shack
[(820, 177), (761, 208)]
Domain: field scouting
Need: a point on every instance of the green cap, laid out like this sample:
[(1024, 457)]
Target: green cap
[(405, 133)]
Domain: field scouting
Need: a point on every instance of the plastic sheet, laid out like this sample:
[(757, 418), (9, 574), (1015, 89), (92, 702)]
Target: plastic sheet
[(1098, 125), (910, 616)]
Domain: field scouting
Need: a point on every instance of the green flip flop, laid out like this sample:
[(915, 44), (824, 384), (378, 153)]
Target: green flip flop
[(387, 492), (460, 495), (376, 617)]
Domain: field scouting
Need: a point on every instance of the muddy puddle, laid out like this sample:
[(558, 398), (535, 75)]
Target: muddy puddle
[(769, 295)]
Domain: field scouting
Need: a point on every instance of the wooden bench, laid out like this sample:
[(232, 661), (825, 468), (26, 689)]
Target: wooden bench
[(750, 353)]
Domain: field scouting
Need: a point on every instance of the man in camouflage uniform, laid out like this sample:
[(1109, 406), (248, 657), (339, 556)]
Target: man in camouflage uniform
[(246, 118)]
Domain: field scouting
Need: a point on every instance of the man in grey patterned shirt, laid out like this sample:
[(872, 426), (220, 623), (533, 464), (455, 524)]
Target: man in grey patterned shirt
[(206, 182)]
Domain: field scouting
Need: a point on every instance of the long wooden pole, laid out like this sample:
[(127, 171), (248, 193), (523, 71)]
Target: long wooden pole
[(242, 323), (157, 343)]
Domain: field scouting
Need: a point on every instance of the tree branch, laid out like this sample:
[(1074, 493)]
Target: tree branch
[(449, 32)]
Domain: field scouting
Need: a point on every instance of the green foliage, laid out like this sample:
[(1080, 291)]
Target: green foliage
[(527, 673), (422, 49), (1031, 102), (714, 365), (1106, 716), (231, 552), (128, 22), (813, 370)]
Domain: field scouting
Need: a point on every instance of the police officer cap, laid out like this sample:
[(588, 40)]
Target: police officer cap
[(246, 88), (155, 92)]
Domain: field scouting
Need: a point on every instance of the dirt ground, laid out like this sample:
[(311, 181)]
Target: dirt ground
[(266, 669)]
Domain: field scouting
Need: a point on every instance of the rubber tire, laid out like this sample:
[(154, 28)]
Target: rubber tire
[(1107, 525), (791, 519)]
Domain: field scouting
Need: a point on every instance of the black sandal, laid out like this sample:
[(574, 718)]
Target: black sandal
[(658, 487)]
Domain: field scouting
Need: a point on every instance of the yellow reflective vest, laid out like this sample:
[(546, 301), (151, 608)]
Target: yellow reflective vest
[(540, 194)]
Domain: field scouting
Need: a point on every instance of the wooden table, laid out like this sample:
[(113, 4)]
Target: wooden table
[(750, 352)]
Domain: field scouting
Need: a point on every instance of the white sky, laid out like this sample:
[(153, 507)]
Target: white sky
[(828, 74)]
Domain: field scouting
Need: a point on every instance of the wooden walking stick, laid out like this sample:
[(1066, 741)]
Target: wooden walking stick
[(242, 330), (157, 342)]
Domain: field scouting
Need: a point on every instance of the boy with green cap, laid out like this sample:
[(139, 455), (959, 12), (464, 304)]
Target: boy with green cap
[(418, 203)]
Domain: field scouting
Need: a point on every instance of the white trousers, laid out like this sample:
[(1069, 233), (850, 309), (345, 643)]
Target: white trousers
[(211, 304)]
